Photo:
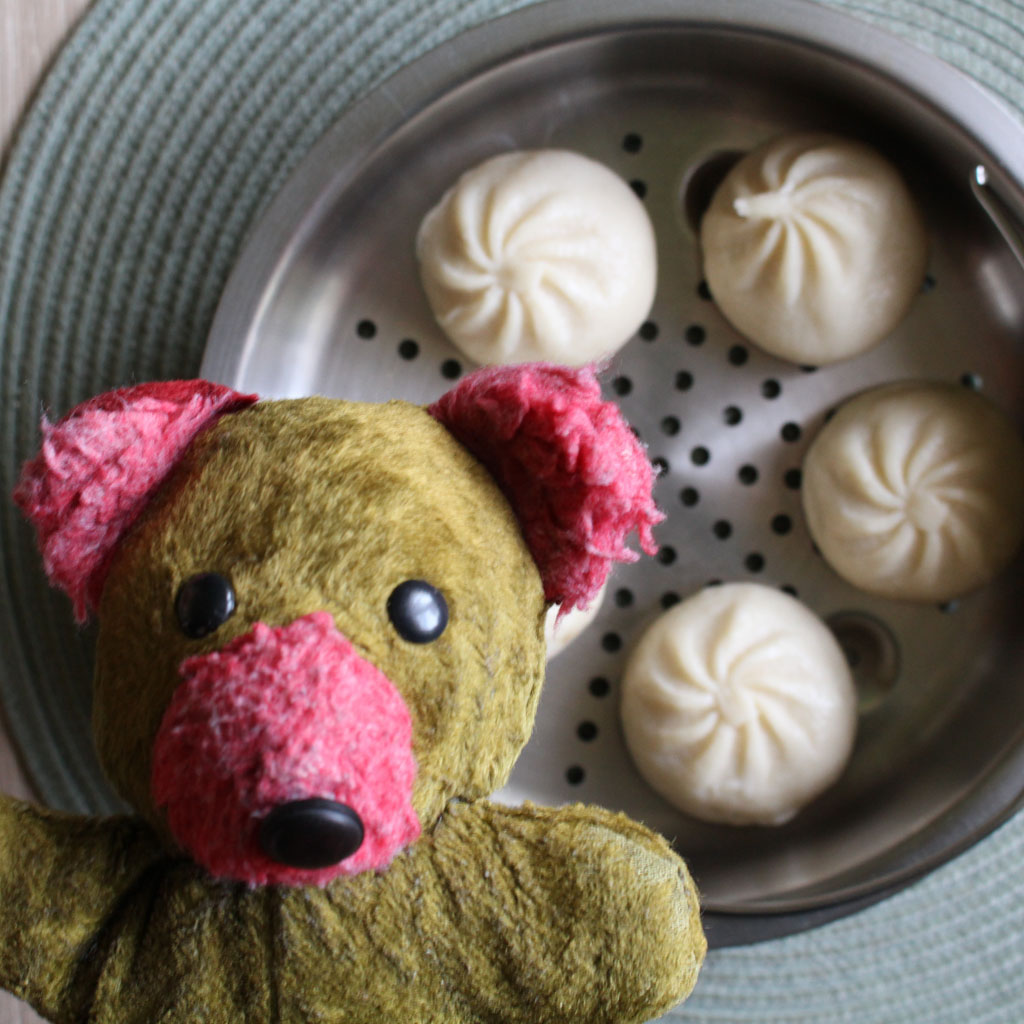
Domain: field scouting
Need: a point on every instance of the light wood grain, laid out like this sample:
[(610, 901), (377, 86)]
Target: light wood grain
[(31, 32)]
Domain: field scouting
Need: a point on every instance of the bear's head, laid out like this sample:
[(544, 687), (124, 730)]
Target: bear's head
[(319, 620)]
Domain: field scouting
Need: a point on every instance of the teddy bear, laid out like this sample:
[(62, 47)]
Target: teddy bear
[(320, 648)]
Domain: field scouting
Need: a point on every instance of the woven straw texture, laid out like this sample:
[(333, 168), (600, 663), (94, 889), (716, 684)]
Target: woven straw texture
[(159, 135)]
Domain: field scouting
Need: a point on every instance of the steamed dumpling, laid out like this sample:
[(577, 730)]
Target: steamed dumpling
[(738, 705), (538, 255), (916, 491), (561, 630), (813, 247)]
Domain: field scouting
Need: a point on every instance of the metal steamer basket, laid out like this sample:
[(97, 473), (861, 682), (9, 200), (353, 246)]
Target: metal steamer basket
[(326, 299)]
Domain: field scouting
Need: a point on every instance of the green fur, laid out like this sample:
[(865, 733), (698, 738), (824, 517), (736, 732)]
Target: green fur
[(505, 915), (520, 915), (320, 505)]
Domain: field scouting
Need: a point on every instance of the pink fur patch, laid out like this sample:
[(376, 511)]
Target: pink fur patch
[(278, 715), (99, 465), (573, 471)]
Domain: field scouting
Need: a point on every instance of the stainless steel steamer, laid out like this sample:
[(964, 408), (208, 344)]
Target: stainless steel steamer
[(326, 299)]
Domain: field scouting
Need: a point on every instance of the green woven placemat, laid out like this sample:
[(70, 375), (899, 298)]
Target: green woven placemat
[(159, 135)]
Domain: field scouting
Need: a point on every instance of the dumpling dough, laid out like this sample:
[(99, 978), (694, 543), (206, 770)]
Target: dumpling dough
[(538, 255), (813, 248), (916, 490), (738, 705), (559, 633)]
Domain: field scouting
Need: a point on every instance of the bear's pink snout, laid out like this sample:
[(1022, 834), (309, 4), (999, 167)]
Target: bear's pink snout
[(286, 757)]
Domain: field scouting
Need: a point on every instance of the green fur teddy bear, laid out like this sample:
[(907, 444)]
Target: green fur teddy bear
[(320, 648)]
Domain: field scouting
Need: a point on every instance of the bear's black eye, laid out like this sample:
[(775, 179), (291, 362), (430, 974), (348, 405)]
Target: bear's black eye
[(204, 602), (418, 611)]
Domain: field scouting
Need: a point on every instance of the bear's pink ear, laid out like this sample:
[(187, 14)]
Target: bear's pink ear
[(573, 471), (99, 465)]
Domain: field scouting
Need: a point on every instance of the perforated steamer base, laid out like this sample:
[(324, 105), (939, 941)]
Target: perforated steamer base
[(326, 299)]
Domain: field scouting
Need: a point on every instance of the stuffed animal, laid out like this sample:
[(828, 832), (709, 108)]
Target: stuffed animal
[(320, 648)]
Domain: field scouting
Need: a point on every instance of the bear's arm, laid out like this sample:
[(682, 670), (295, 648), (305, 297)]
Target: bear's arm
[(601, 909), (61, 877), (502, 915)]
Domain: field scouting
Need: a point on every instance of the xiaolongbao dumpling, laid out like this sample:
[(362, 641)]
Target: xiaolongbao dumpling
[(538, 255), (916, 491), (561, 630), (738, 705), (813, 247)]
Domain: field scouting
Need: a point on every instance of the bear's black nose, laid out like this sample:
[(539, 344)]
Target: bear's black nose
[(314, 833)]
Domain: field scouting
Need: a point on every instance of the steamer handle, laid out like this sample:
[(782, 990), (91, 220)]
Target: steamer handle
[(998, 212)]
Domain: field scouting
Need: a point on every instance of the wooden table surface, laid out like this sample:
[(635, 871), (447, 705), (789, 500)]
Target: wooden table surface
[(31, 32)]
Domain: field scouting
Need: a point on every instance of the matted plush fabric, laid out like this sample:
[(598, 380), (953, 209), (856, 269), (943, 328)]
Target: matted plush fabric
[(159, 135)]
